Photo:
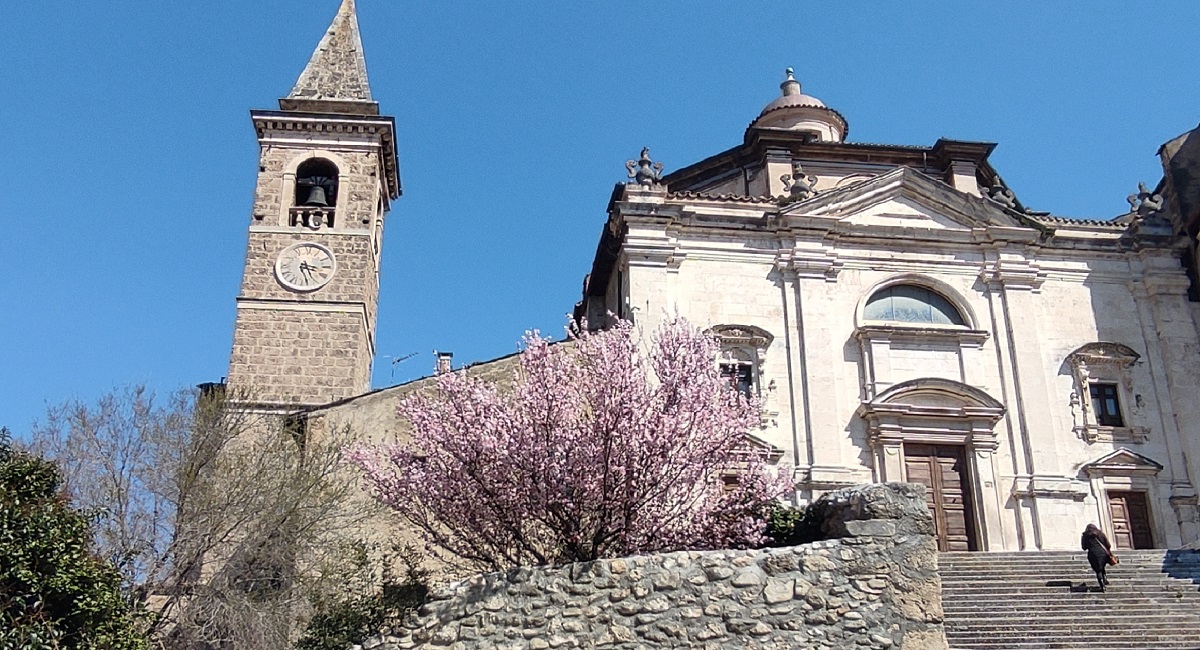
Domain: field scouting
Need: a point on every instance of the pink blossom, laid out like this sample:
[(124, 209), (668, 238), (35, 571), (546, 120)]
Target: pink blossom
[(598, 450)]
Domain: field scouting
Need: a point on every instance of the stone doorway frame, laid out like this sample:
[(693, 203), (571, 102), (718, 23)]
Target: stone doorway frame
[(941, 412), (1125, 470)]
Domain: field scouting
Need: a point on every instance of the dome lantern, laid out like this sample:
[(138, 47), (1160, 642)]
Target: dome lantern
[(795, 111)]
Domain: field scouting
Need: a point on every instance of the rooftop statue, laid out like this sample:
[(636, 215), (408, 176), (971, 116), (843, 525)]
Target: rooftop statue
[(1144, 202), (645, 171)]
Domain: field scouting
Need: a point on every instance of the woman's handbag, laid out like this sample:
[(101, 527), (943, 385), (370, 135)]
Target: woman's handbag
[(1112, 559)]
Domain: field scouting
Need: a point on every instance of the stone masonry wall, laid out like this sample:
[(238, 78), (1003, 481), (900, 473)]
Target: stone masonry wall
[(293, 357), (874, 584)]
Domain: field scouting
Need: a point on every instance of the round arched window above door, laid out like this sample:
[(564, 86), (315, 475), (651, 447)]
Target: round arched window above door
[(910, 303)]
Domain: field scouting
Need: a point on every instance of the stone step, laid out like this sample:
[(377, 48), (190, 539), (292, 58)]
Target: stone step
[(1040, 608), (1116, 591), (1065, 579), (1042, 601), (1065, 585), (1069, 586), (1189, 572), (1075, 644), (1077, 641), (996, 558), (1080, 559), (1140, 552), (1081, 563), (1022, 600), (1077, 562), (1020, 560), (1102, 640), (1049, 624), (1099, 606), (1083, 637)]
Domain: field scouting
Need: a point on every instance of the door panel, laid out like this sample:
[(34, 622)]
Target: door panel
[(1131, 520), (943, 471)]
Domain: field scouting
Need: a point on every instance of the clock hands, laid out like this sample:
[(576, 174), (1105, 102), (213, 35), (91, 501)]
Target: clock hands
[(305, 267), (309, 269)]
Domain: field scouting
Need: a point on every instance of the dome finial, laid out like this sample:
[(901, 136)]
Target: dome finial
[(790, 86)]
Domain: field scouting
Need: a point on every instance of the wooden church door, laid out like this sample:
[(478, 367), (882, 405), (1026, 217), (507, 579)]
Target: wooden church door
[(1131, 520), (943, 471)]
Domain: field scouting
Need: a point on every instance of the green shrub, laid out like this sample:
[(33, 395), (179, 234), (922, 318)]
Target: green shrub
[(382, 598), (54, 592), (790, 525)]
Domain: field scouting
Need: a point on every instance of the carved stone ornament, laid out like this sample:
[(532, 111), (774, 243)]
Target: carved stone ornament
[(745, 343), (1107, 362), (743, 335), (645, 171), (799, 185), (1003, 196), (1145, 202)]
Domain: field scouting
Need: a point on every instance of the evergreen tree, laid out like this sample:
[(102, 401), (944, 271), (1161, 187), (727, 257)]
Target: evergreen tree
[(54, 591)]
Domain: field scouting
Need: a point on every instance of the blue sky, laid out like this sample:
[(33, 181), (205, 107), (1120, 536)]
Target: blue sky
[(130, 157)]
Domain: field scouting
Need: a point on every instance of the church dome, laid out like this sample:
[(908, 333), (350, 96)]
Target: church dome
[(792, 96), (795, 111)]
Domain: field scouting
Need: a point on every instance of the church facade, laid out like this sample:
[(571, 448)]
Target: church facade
[(900, 312)]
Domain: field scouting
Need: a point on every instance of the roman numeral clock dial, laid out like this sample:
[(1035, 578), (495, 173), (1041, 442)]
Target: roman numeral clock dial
[(305, 267)]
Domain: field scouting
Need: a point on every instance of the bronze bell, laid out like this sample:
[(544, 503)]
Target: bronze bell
[(316, 197)]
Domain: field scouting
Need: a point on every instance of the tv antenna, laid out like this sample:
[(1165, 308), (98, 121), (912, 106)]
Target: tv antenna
[(399, 360)]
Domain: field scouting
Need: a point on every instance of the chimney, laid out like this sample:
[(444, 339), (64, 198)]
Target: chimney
[(212, 390), (443, 362)]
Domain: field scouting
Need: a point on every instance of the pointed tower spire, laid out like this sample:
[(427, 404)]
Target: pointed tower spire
[(335, 79)]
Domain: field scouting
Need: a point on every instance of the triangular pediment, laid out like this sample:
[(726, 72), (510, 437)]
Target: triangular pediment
[(906, 199), (1122, 462), (904, 212), (753, 446)]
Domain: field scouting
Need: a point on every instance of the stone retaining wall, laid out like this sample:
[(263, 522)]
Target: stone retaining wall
[(874, 584)]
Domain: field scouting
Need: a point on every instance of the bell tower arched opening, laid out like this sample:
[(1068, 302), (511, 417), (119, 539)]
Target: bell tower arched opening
[(314, 201)]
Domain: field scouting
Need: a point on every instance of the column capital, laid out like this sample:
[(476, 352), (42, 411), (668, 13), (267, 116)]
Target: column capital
[(1014, 274), (811, 263)]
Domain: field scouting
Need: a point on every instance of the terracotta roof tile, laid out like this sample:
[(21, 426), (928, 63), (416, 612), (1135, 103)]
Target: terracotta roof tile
[(736, 198)]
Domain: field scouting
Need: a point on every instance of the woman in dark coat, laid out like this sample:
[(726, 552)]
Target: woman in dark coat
[(1098, 550)]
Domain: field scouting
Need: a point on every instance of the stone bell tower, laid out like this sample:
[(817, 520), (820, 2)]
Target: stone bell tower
[(327, 173)]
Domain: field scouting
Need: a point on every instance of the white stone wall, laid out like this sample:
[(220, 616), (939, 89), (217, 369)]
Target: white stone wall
[(1031, 307)]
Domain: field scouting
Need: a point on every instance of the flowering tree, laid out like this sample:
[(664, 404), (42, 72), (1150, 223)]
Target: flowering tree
[(598, 450)]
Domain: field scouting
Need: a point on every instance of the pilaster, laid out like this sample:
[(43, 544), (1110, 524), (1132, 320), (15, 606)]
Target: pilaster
[(1017, 280), (815, 273), (1171, 338)]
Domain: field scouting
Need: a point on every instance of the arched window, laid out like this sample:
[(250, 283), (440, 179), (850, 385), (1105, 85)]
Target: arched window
[(910, 303), (316, 194)]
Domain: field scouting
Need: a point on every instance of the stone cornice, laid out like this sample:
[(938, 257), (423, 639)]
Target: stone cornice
[(1050, 487), (271, 124), (957, 335), (1014, 274), (286, 230), (818, 263)]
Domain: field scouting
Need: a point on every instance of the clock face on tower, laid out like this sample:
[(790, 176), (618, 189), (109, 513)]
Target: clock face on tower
[(305, 266)]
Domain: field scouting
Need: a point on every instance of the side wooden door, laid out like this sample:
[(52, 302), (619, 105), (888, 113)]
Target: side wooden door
[(943, 471), (1131, 520)]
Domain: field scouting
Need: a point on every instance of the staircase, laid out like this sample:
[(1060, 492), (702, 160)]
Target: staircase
[(1041, 600)]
